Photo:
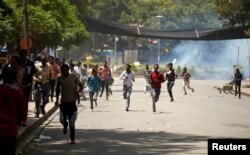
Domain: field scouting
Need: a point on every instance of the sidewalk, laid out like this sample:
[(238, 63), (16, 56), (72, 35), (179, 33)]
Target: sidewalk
[(33, 124)]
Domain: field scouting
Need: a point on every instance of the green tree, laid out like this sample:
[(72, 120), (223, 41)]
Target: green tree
[(237, 12), (10, 18), (51, 23), (177, 14), (55, 23)]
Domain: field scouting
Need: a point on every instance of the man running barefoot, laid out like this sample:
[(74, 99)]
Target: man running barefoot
[(186, 77)]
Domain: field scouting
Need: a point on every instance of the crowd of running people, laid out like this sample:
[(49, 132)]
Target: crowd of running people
[(21, 76)]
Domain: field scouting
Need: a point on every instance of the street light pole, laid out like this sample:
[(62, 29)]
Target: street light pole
[(249, 64), (159, 52), (231, 63), (115, 50), (159, 17), (248, 55), (238, 56)]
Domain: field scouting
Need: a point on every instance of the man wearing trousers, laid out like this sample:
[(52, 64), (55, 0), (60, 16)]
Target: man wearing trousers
[(128, 79), (156, 80)]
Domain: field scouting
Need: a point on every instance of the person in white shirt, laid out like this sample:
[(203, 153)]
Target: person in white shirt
[(82, 73), (84, 80), (128, 79)]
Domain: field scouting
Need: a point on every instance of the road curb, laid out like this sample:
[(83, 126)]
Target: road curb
[(23, 137)]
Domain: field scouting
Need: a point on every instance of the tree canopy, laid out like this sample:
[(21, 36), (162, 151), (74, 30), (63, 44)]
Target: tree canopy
[(237, 12), (10, 20), (175, 15), (57, 22), (51, 23)]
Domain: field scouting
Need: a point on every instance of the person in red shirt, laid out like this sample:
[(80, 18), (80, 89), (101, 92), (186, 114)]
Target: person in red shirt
[(12, 110), (54, 74), (105, 73), (156, 79)]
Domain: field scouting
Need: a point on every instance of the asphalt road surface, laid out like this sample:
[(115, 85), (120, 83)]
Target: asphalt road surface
[(181, 127)]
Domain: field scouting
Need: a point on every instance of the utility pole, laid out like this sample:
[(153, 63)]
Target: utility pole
[(159, 17), (248, 47), (159, 52), (26, 24), (231, 63), (249, 64), (238, 56), (115, 50)]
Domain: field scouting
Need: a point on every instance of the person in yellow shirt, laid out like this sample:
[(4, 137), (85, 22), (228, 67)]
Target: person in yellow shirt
[(41, 78)]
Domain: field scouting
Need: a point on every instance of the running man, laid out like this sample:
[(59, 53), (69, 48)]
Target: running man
[(186, 77), (68, 83), (105, 74), (111, 81), (54, 74), (41, 78), (156, 79), (128, 78), (147, 74), (81, 72), (93, 83), (170, 77)]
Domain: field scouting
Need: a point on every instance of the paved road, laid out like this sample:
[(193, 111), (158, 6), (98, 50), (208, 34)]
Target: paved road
[(177, 128)]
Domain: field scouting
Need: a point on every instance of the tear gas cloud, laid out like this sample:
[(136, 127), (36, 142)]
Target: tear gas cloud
[(211, 59)]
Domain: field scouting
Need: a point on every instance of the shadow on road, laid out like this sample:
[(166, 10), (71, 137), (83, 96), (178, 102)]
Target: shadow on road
[(117, 142)]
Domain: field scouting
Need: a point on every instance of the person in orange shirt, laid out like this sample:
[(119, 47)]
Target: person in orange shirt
[(54, 74), (105, 74)]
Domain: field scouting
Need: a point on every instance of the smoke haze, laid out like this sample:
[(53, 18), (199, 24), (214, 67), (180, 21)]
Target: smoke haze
[(216, 56)]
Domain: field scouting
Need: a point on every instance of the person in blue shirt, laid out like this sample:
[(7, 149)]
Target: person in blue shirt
[(93, 83)]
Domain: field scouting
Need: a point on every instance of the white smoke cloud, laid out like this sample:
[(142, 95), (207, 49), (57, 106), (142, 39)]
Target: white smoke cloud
[(220, 55)]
